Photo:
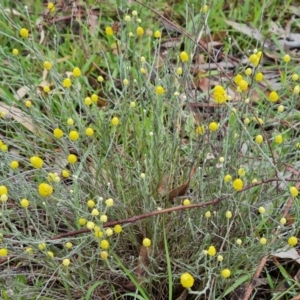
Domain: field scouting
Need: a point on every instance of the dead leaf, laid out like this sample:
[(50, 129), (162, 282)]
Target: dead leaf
[(183, 295), (143, 263), (19, 116), (247, 30), (176, 192), (93, 23), (290, 253), (21, 92)]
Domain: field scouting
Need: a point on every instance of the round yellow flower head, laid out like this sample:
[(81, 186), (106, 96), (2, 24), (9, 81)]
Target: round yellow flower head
[(295, 77), (263, 240), (140, 31), (100, 78), (243, 85), (187, 280), (238, 184), (91, 203), (67, 83), (239, 242), (15, 51), (261, 210), (66, 262), (292, 241), (104, 244), (24, 203), (211, 251), (227, 178), (28, 103), (51, 6), (273, 96), (159, 90), (3, 252), (42, 246), (103, 218), (146, 242), (225, 273), (45, 189), (200, 130), (29, 250), (186, 202), (184, 56), (179, 71), (3, 198), (259, 77), (254, 59), (76, 72), (118, 228), (47, 65), (157, 34), (46, 89), (14, 164), (109, 202), (70, 122), (36, 162), (125, 81), (248, 71), (241, 172), (68, 245), (104, 254), (74, 135), (204, 9), (82, 221), (294, 191), (220, 94), (207, 214), (127, 18), (58, 133), (259, 139), (286, 58), (278, 139), (220, 258), (3, 190), (213, 126), (50, 254), (283, 221), (89, 131), (72, 159), (95, 212), (88, 101), (228, 214), (296, 90), (98, 233), (237, 78), (90, 225), (109, 232), (24, 33), (109, 31), (115, 121)]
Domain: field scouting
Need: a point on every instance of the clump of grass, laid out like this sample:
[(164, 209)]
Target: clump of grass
[(112, 183)]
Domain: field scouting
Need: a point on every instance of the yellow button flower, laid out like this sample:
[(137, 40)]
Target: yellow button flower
[(187, 280)]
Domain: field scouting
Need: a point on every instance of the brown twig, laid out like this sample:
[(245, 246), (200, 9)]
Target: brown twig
[(162, 211)]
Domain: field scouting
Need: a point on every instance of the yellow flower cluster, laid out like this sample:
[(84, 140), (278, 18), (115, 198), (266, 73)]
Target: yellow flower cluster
[(220, 94), (45, 189), (187, 280), (36, 162), (255, 58)]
